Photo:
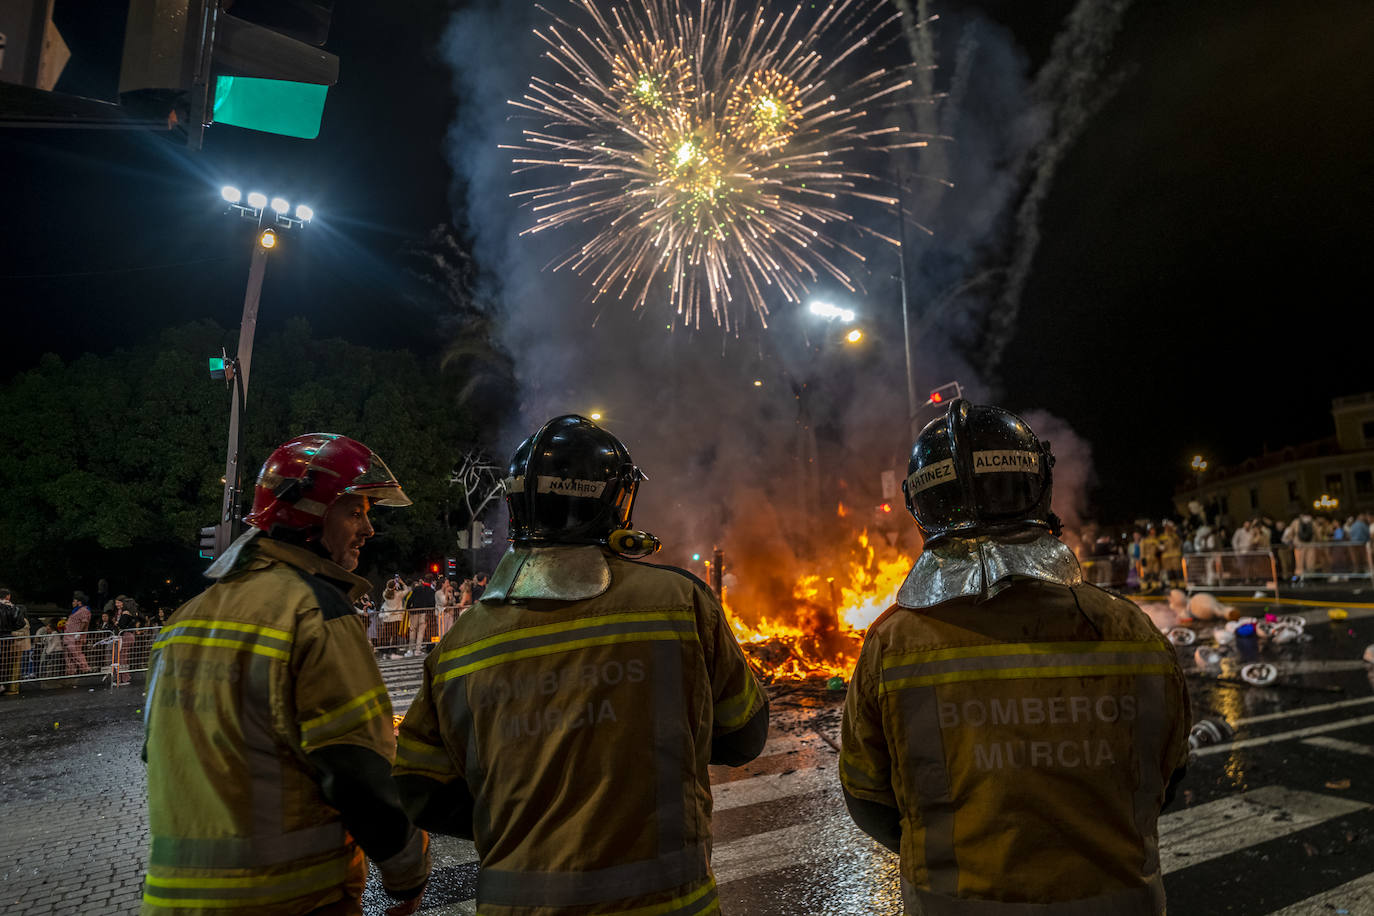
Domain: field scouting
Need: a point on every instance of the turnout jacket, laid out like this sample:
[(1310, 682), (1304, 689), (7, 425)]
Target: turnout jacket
[(1026, 741), (570, 739), (268, 739)]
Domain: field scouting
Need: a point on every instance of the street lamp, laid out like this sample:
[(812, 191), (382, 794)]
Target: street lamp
[(253, 207), (1199, 464), (854, 336)]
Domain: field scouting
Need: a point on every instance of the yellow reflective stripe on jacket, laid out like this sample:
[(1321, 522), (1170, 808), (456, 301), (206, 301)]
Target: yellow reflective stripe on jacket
[(421, 756), (228, 634), (204, 892), (700, 902), (548, 639), (1023, 660), (734, 712), (345, 718)]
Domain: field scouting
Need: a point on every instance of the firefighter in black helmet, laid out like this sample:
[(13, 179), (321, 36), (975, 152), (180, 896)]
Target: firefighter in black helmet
[(567, 720), (1009, 730)]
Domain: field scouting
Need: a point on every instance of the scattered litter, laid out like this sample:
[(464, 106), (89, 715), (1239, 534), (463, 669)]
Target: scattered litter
[(54, 725), (1369, 654), (1181, 636), (1224, 637), (1209, 731), (1259, 674), (835, 684), (1283, 633), (1206, 607), (1293, 620), (1338, 783), (1245, 629), (1337, 614), (1271, 618), (1207, 657)]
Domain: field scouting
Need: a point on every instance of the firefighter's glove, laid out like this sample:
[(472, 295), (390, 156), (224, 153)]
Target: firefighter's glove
[(404, 874)]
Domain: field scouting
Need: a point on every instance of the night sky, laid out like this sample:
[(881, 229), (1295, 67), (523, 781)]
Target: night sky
[(1201, 284)]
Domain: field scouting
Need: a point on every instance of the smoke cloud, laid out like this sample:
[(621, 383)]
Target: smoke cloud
[(757, 441)]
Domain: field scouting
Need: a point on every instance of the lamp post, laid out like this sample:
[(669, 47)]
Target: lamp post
[(255, 207)]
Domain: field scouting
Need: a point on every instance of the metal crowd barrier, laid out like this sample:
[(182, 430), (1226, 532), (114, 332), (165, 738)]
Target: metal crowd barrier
[(1332, 561), (75, 657), (1229, 570), (1108, 570), (397, 634)]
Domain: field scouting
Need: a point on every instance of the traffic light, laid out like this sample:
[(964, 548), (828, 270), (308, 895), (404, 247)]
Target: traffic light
[(945, 392), (451, 566), (32, 53), (434, 569), (486, 536), (207, 542), (217, 370), (192, 63)]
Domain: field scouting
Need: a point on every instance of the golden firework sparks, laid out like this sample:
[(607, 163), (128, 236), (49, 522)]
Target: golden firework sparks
[(710, 148)]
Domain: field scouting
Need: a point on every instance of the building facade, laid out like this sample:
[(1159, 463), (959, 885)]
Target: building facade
[(1333, 476)]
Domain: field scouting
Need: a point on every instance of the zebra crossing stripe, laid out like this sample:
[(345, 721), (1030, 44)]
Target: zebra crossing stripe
[(1352, 897), (1302, 711), (813, 843), (1336, 744), (1283, 736), (773, 787), (1228, 825)]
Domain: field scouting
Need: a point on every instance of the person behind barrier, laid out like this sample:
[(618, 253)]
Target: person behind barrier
[(566, 721), (269, 734), (1009, 730), (14, 642)]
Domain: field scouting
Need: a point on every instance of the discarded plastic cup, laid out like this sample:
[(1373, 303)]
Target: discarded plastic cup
[(1259, 674), (1224, 637), (1181, 636), (1282, 633)]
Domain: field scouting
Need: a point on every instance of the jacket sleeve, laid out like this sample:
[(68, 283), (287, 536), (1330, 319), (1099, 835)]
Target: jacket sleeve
[(343, 716), (430, 777), (865, 760), (740, 716)]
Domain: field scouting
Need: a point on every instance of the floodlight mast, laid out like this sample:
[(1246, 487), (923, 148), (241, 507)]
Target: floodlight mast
[(265, 240)]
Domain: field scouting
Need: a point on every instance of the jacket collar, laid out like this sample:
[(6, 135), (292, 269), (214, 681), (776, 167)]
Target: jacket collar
[(254, 545), (982, 567)]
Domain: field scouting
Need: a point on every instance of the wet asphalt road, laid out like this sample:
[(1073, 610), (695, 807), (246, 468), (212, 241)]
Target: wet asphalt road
[(1279, 821)]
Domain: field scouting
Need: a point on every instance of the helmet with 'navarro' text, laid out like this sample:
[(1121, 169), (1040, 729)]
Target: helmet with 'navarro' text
[(303, 478), (979, 470), (570, 483)]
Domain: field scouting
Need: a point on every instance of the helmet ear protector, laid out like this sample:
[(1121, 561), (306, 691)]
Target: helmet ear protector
[(633, 544)]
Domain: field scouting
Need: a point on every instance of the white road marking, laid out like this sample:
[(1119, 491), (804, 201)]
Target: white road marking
[(1336, 744), (818, 841), (1352, 897), (1302, 711), (1283, 736), (773, 787), (1230, 824)]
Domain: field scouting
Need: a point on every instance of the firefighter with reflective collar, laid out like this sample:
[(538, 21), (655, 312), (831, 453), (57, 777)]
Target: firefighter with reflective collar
[(567, 719), (1011, 731), (269, 735)]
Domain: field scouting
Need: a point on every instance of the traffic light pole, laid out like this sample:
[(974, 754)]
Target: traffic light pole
[(229, 524)]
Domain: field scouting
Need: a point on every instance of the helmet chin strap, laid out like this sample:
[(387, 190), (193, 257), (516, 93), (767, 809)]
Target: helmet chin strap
[(633, 544)]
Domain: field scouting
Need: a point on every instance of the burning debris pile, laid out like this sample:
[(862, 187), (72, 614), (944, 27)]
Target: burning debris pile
[(813, 626)]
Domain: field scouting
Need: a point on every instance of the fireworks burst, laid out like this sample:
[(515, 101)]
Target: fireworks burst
[(712, 146)]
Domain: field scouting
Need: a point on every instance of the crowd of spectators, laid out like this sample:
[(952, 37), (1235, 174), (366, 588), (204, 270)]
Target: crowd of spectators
[(414, 615), (1306, 546), (60, 649)]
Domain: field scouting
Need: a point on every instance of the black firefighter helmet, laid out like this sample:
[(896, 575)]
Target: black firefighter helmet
[(570, 483), (979, 470)]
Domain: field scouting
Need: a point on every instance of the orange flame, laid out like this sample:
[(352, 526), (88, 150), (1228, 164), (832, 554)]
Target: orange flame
[(819, 631)]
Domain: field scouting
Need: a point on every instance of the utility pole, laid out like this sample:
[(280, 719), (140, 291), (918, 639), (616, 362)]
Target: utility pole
[(906, 312)]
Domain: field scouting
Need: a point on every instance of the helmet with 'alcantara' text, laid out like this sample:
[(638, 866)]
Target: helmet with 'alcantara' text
[(979, 470), (303, 478), (570, 483)]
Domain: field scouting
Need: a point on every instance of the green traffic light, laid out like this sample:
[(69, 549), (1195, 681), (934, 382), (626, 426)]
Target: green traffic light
[(272, 106)]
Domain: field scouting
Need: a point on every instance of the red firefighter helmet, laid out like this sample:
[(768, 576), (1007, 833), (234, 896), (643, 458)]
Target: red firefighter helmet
[(303, 477)]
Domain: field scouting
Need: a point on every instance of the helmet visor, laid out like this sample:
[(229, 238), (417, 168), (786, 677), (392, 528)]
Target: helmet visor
[(379, 485)]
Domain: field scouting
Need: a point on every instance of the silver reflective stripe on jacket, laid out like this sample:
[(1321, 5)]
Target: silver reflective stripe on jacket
[(1147, 900)]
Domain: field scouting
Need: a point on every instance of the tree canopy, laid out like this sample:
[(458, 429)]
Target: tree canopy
[(113, 463)]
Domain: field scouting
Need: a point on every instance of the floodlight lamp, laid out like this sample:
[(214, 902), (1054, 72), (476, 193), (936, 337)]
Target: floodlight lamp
[(257, 200), (231, 194), (280, 205), (831, 312), (268, 239), (304, 213)]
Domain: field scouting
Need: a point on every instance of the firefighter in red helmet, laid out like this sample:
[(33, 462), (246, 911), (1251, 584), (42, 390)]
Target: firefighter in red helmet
[(269, 736)]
